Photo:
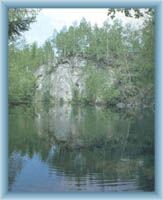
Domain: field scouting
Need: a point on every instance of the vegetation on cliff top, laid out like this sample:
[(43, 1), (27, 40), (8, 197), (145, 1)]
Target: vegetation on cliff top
[(129, 52)]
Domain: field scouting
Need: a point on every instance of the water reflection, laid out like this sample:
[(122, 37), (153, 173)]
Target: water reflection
[(74, 148)]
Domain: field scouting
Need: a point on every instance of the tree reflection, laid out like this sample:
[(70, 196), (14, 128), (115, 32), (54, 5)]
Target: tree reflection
[(85, 143)]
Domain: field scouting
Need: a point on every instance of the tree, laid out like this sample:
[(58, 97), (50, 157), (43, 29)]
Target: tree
[(48, 52), (74, 40), (131, 12), (20, 20), (136, 77), (84, 36)]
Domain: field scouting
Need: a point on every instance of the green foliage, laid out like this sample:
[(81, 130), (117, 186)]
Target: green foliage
[(22, 89), (129, 52), (21, 79), (98, 44), (131, 12), (98, 86), (74, 40), (20, 20), (76, 97), (121, 60), (24, 60)]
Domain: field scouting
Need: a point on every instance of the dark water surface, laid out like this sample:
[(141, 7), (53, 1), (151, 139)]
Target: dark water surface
[(72, 148)]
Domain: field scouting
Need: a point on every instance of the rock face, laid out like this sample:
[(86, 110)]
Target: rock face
[(120, 105), (65, 81), (62, 82)]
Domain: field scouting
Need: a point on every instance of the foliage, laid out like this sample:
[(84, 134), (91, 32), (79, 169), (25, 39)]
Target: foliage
[(120, 59), (24, 60), (99, 87), (20, 20), (74, 40), (131, 12)]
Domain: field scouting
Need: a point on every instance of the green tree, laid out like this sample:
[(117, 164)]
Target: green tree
[(131, 12), (20, 20), (48, 52)]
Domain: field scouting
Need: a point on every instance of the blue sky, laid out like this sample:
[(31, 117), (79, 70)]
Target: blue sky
[(50, 19)]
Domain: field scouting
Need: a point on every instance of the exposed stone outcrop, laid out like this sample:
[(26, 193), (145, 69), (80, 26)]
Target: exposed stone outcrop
[(59, 81), (66, 81)]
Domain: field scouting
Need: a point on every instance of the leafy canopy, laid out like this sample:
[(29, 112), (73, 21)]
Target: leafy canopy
[(20, 20)]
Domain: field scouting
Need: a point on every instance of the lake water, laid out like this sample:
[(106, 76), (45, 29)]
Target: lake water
[(80, 149)]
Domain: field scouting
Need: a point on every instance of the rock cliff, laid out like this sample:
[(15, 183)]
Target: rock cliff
[(63, 81)]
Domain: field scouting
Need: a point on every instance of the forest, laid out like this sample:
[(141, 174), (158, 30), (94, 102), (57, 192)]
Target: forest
[(126, 51), (81, 103)]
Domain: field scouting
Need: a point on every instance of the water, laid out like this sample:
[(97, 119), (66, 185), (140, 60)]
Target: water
[(80, 149)]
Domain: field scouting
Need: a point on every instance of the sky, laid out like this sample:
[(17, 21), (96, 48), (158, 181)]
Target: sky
[(55, 18)]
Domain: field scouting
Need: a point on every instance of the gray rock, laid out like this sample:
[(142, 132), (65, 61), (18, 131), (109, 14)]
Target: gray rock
[(120, 105), (60, 82)]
